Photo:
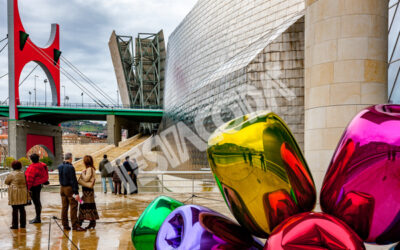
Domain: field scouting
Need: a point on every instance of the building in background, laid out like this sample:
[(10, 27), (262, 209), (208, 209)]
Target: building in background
[(139, 66), (314, 63), (229, 58)]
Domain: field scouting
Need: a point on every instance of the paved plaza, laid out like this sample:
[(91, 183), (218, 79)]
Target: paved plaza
[(118, 215)]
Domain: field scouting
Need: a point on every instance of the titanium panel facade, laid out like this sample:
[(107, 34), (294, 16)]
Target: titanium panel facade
[(394, 51), (229, 58)]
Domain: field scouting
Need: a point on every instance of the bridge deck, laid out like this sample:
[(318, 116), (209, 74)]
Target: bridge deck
[(56, 115)]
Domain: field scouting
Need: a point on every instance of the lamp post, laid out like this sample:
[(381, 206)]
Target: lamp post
[(117, 98), (64, 93), (30, 94), (35, 87), (82, 99), (45, 92), (67, 99)]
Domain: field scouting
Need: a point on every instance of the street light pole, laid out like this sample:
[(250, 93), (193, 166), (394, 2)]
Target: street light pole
[(30, 94), (82, 99), (64, 93), (35, 87), (117, 98), (45, 92)]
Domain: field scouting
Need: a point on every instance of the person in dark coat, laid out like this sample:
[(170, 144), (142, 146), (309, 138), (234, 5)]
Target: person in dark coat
[(116, 177), (69, 192), (105, 175), (128, 167)]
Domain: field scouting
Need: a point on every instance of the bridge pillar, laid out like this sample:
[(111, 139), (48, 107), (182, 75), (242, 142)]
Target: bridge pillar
[(23, 135), (114, 126)]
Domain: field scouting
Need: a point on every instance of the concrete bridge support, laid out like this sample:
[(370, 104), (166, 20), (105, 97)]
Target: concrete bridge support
[(115, 124), (23, 135)]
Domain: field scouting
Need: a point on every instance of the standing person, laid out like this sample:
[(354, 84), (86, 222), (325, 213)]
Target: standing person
[(263, 167), (88, 210), (116, 177), (69, 192), (17, 194), (128, 165), (37, 174), (135, 173), (105, 175)]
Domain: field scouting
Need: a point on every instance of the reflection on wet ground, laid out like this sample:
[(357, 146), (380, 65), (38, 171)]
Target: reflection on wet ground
[(118, 215)]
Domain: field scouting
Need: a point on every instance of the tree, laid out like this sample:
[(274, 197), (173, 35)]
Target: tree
[(24, 161), (8, 161), (47, 160)]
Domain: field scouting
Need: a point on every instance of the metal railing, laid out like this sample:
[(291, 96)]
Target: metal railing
[(154, 182), (88, 105), (176, 182), (3, 186), (170, 181)]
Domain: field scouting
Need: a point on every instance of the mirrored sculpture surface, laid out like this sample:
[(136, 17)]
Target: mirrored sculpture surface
[(197, 227), (362, 185), (315, 231), (146, 228), (261, 171)]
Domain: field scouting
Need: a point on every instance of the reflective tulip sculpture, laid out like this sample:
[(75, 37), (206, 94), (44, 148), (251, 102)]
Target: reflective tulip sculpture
[(362, 185), (268, 187), (262, 172), (197, 227), (146, 228), (313, 231)]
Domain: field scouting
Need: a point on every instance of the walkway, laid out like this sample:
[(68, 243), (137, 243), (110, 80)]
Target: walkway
[(113, 153), (118, 215)]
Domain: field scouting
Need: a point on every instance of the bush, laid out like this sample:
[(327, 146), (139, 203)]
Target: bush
[(8, 161), (47, 160), (24, 161)]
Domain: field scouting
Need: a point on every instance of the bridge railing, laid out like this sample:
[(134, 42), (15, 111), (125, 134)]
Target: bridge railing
[(88, 105)]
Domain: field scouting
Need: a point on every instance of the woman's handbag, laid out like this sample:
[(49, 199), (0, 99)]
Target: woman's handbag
[(90, 183), (29, 200)]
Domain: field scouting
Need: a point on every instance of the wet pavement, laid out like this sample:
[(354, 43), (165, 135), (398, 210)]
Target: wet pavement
[(118, 215)]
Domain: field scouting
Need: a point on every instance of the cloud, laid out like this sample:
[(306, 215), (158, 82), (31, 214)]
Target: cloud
[(86, 26)]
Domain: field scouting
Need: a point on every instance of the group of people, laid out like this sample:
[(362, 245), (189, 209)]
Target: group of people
[(25, 188), (120, 175)]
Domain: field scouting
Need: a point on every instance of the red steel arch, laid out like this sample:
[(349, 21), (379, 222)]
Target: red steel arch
[(22, 51)]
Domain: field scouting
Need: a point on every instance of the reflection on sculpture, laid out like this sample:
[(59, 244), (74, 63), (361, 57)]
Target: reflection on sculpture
[(313, 231), (267, 185), (146, 228), (262, 172), (362, 185), (197, 227)]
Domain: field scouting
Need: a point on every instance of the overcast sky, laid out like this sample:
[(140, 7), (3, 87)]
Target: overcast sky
[(85, 29)]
